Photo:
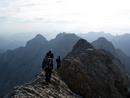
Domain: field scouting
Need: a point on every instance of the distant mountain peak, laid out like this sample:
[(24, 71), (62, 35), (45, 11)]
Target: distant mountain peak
[(103, 39), (39, 36), (65, 35), (38, 39), (103, 43), (60, 35), (82, 44)]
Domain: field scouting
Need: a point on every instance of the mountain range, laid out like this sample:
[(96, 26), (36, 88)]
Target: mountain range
[(14, 41), (93, 73), (22, 64), (86, 72), (103, 43), (119, 41)]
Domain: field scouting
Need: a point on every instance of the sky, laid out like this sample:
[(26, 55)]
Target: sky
[(51, 16)]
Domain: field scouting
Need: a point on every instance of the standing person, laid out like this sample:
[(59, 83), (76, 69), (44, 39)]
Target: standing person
[(50, 54), (47, 66), (58, 61)]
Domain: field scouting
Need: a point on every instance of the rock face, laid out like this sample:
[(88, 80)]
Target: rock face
[(39, 89), (92, 73)]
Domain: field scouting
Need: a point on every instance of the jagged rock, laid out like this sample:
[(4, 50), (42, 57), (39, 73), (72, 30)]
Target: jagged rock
[(39, 89), (92, 73)]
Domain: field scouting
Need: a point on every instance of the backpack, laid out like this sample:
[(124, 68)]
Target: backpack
[(49, 64)]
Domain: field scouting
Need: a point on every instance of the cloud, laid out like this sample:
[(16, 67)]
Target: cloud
[(110, 15)]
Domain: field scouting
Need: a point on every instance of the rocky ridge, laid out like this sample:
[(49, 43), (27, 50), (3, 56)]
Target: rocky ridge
[(39, 89), (93, 73)]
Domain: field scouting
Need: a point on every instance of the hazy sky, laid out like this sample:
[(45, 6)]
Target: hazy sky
[(64, 15)]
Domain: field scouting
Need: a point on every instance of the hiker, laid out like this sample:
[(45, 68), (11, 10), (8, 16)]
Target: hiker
[(58, 61), (50, 54), (47, 66)]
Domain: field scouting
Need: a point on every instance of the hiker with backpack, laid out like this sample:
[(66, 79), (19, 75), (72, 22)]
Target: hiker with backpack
[(47, 65)]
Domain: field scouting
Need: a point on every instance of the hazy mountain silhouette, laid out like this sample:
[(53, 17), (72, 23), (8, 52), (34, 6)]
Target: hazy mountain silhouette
[(63, 43), (119, 41), (122, 42), (93, 73), (22, 64), (103, 43), (2, 50), (3, 43), (15, 40), (20, 39), (92, 36)]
